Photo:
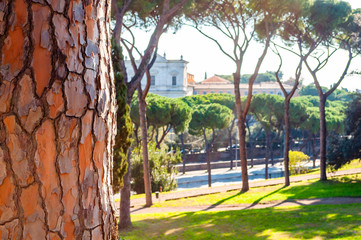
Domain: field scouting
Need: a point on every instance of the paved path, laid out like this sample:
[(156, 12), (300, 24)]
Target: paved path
[(229, 207), (136, 203)]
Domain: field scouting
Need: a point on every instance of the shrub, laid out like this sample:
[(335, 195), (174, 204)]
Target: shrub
[(162, 168), (297, 161)]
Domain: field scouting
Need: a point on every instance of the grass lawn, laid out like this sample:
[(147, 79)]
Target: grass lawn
[(303, 222), (353, 164), (346, 186)]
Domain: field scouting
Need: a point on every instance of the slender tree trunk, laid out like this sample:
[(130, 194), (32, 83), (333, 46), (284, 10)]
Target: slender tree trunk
[(181, 137), (243, 153), (286, 160), (251, 145), (208, 150), (124, 211), (231, 149), (271, 151), (209, 167), (143, 126), (268, 136), (57, 111), (323, 135)]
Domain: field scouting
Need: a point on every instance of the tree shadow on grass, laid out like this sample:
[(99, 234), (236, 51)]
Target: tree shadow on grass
[(222, 201), (338, 187), (303, 222), (265, 196)]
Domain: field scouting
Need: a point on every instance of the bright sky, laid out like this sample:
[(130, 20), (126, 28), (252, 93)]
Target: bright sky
[(204, 56)]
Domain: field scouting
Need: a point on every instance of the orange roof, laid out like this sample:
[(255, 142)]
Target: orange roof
[(190, 79), (215, 80)]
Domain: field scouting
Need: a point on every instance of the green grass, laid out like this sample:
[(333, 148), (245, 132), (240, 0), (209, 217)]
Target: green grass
[(346, 186), (353, 164), (303, 222)]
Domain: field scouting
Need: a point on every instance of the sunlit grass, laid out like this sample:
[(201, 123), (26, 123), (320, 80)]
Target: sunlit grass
[(352, 165), (303, 222), (346, 186)]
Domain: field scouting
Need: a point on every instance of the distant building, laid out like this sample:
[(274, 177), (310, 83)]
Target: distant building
[(217, 84), (169, 78)]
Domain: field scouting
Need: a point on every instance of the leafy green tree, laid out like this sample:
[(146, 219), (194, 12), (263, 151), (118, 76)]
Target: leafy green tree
[(261, 77), (209, 118), (124, 125), (338, 95), (343, 150), (163, 113), (162, 168), (127, 13), (268, 110), (240, 22), (331, 26)]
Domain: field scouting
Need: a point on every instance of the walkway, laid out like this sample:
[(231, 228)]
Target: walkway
[(137, 203)]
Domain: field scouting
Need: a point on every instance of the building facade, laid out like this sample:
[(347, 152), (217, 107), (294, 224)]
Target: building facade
[(217, 84), (169, 78)]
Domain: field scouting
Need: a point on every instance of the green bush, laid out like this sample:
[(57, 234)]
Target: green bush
[(162, 168), (297, 161)]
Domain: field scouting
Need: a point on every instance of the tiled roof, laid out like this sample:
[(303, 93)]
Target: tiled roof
[(256, 86), (215, 80)]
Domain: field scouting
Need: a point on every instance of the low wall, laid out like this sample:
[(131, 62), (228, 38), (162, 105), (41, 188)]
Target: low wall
[(221, 164), (223, 156)]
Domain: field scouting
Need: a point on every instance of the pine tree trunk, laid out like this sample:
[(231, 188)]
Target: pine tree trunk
[(181, 137), (57, 111), (268, 136), (144, 133), (323, 135), (243, 153), (124, 211), (231, 149), (209, 169), (286, 160)]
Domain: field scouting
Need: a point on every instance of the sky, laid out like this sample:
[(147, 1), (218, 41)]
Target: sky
[(204, 57)]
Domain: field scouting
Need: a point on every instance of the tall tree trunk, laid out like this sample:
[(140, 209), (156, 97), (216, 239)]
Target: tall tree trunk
[(209, 169), (143, 127), (268, 143), (124, 211), (231, 149), (181, 137), (208, 150), (57, 111), (286, 159), (243, 153), (323, 135), (251, 145)]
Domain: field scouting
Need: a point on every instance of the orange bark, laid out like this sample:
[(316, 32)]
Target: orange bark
[(56, 121)]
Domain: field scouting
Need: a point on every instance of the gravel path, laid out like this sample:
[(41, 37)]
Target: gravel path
[(137, 203)]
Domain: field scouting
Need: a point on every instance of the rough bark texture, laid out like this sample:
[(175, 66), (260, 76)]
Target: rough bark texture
[(144, 133), (323, 136), (124, 211), (287, 127), (56, 120), (243, 153)]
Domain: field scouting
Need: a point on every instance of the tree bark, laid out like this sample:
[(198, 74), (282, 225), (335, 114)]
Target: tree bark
[(146, 169), (57, 111), (323, 136), (181, 137), (243, 153), (268, 143), (208, 150), (286, 160), (124, 209)]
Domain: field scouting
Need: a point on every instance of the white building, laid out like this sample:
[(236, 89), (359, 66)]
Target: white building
[(168, 77)]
